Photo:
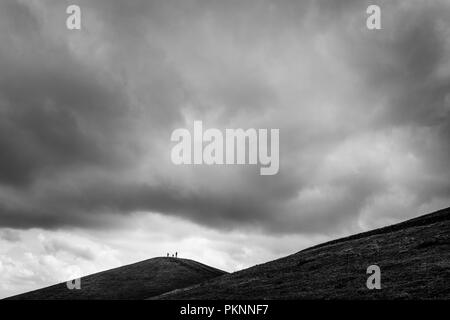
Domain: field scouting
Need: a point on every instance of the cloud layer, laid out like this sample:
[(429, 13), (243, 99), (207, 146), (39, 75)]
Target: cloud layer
[(86, 116)]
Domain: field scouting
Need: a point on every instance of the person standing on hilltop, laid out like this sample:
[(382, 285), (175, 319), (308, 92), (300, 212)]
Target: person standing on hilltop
[(176, 254)]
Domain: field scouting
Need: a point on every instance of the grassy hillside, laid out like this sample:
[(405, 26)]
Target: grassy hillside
[(135, 281), (414, 257)]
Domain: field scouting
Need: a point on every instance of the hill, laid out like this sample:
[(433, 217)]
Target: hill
[(135, 281), (414, 258)]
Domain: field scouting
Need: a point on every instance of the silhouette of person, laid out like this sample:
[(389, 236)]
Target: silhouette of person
[(167, 254), (176, 254)]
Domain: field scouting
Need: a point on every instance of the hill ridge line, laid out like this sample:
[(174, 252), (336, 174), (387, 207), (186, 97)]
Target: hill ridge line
[(436, 216)]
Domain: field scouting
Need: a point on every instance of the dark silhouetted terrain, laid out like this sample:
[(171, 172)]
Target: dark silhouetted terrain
[(414, 257), (135, 281)]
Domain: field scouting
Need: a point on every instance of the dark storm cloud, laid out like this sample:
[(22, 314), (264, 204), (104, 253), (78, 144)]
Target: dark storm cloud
[(408, 70), (55, 113), (85, 124), (403, 66)]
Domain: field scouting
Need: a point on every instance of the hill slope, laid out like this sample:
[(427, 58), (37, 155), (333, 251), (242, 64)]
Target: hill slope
[(414, 257), (135, 281)]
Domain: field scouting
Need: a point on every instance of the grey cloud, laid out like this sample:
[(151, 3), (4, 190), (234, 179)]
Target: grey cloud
[(76, 132), (10, 235), (402, 65), (406, 70), (55, 113), (53, 246)]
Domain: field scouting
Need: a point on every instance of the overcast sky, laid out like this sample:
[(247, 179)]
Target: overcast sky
[(86, 180)]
